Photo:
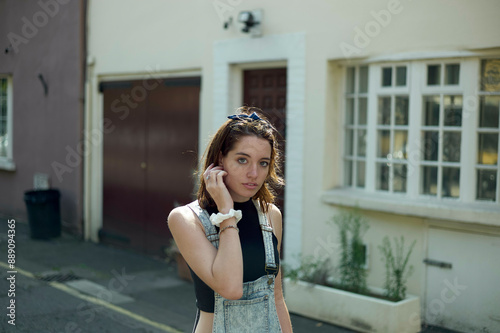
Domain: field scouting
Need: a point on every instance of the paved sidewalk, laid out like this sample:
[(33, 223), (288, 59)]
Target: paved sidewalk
[(135, 287)]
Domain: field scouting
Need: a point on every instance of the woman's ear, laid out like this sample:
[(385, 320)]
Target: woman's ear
[(219, 162)]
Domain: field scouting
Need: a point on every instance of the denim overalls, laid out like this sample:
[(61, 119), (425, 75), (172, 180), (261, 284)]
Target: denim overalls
[(255, 311)]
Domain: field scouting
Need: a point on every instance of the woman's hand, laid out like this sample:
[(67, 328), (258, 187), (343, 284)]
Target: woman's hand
[(214, 179)]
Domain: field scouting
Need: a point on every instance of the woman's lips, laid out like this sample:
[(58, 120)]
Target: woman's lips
[(250, 186)]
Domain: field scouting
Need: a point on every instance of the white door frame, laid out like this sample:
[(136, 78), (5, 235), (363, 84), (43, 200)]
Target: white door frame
[(289, 48)]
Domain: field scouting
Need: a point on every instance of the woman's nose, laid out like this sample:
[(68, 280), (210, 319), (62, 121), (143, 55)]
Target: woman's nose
[(252, 172)]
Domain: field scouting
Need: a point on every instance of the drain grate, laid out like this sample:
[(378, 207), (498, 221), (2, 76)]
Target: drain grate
[(58, 277)]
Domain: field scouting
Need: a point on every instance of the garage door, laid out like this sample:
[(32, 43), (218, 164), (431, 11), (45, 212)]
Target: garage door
[(148, 159)]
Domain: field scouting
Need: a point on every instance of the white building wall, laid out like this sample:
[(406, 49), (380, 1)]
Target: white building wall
[(174, 38)]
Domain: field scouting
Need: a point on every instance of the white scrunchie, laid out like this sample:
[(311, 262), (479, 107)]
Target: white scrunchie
[(218, 218)]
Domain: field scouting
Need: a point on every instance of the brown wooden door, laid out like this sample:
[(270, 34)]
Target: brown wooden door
[(148, 159), (266, 89)]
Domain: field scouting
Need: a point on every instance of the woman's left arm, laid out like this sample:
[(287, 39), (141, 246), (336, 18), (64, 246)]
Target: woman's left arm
[(283, 314)]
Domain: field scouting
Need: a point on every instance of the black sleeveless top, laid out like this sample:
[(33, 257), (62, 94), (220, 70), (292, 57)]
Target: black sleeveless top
[(252, 247)]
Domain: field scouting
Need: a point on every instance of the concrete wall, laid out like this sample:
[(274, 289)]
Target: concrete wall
[(44, 37)]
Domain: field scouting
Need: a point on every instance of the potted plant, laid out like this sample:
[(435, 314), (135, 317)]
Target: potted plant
[(343, 298), (396, 263), (172, 254)]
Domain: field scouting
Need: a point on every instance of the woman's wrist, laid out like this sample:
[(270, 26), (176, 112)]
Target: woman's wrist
[(225, 209), (229, 221)]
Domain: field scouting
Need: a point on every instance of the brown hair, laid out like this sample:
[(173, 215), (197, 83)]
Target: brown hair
[(223, 141)]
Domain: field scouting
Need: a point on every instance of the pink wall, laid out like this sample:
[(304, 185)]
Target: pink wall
[(45, 37)]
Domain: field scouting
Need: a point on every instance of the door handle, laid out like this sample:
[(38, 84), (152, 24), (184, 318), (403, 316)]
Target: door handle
[(437, 263)]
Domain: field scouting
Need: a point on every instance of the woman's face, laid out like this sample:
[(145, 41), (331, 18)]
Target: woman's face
[(247, 167)]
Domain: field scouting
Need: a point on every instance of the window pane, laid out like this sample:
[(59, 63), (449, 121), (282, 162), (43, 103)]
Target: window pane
[(384, 143), (488, 148), (3, 98), (400, 143), (384, 111), (3, 127), (452, 74), (452, 110), (350, 80), (431, 113), (348, 173), (451, 182), (486, 184), (429, 180), (3, 87), (382, 176), (386, 76), (3, 146), (401, 76), (490, 75), (3, 117), (489, 111), (363, 79), (349, 112), (400, 176), (451, 146), (361, 142), (362, 111), (3, 108), (433, 75), (361, 174), (401, 110), (349, 141), (430, 145)]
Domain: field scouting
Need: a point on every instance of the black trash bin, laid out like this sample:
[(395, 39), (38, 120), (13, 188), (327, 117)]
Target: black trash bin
[(43, 213)]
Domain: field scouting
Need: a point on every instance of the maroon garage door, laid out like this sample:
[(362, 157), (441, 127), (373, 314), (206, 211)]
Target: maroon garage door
[(148, 160)]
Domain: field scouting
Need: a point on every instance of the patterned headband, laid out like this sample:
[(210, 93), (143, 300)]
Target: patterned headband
[(251, 117)]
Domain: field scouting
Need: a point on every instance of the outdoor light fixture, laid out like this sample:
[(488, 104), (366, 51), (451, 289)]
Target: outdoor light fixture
[(251, 22)]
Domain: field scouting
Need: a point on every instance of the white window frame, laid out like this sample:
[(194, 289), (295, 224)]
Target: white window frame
[(466, 207), (7, 162), (380, 92), (442, 90), (355, 127), (478, 130)]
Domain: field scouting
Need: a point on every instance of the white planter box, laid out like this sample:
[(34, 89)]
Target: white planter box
[(354, 311)]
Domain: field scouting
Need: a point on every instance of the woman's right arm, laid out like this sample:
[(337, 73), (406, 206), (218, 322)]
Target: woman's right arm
[(221, 270)]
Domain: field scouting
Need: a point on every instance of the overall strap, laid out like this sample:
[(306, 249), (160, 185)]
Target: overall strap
[(210, 231), (267, 234)]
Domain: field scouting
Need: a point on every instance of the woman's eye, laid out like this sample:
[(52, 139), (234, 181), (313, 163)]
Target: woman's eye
[(264, 163), (242, 160)]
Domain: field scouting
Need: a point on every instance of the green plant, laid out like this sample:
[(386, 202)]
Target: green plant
[(352, 227), (310, 270), (396, 267), (171, 251)]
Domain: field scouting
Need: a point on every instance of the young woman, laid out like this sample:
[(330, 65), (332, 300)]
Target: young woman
[(231, 235)]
